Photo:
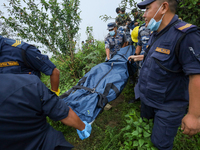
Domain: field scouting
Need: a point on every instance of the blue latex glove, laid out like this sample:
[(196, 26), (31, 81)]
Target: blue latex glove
[(86, 132)]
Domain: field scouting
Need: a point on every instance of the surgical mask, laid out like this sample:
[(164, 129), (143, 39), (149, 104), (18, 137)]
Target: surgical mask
[(153, 25), (122, 15), (112, 33)]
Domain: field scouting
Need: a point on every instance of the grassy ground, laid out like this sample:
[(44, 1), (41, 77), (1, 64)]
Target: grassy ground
[(107, 126)]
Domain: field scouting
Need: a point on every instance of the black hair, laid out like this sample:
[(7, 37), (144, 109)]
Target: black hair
[(117, 10), (123, 9)]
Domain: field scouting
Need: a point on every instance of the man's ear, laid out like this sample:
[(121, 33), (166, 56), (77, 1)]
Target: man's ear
[(165, 7)]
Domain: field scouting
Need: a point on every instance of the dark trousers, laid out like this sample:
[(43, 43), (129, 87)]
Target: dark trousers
[(165, 127)]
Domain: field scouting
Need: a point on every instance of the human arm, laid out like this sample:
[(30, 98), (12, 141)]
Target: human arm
[(108, 53), (125, 44), (73, 120), (124, 40), (138, 50), (83, 128), (190, 60), (136, 57), (191, 122), (54, 79), (56, 109)]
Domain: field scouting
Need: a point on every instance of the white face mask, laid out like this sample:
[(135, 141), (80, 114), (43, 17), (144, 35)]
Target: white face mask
[(153, 25)]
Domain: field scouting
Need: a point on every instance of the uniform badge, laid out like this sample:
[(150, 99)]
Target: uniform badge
[(163, 50)]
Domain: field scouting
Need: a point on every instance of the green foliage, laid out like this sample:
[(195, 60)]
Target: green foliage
[(185, 142), (189, 11), (137, 133), (70, 73), (50, 23)]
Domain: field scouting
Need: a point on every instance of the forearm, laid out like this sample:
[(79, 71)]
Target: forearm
[(136, 57), (138, 50), (108, 52), (73, 120), (194, 95), (125, 44), (54, 79)]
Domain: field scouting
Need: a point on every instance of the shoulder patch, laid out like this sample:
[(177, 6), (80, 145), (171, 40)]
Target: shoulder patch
[(184, 26), (14, 43)]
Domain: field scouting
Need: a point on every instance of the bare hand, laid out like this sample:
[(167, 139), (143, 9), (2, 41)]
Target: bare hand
[(136, 57), (190, 124), (136, 24)]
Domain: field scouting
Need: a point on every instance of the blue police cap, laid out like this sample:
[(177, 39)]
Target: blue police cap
[(111, 25), (142, 5)]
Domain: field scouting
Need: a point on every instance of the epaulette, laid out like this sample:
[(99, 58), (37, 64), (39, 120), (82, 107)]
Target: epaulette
[(14, 43), (184, 26)]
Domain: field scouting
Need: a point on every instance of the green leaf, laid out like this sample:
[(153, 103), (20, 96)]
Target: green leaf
[(141, 142), (154, 148), (146, 134), (135, 143), (140, 130), (135, 133)]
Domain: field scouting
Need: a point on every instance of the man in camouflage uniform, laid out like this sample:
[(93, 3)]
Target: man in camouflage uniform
[(123, 19), (136, 16), (114, 40), (143, 38)]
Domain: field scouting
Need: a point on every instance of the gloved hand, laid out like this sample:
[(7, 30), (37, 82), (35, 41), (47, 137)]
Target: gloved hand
[(57, 92), (86, 132)]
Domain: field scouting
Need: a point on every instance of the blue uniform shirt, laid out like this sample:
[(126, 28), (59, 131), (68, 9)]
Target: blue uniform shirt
[(143, 37), (25, 102), (162, 89), (11, 55), (115, 43)]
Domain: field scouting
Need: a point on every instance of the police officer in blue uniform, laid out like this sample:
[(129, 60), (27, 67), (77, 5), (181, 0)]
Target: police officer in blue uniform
[(114, 40), (25, 103), (168, 80), (20, 57)]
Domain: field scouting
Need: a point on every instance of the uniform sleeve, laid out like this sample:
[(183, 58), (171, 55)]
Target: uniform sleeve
[(107, 44), (125, 38), (52, 105), (39, 61), (189, 53), (139, 39)]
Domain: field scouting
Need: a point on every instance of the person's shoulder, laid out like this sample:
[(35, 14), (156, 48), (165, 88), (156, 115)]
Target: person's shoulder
[(120, 33), (185, 27), (107, 36), (142, 27), (13, 42)]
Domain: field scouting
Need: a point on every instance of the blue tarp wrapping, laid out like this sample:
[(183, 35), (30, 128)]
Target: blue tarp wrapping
[(102, 84)]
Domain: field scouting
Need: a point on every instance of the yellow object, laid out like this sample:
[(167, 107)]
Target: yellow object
[(56, 92), (134, 34), (16, 43), (9, 63)]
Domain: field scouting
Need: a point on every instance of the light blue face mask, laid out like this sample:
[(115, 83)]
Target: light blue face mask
[(153, 25), (112, 33), (122, 15)]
